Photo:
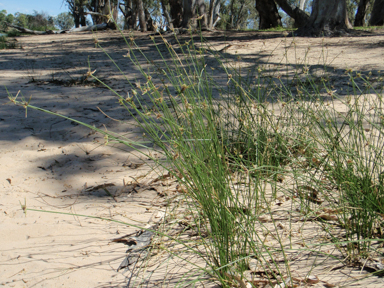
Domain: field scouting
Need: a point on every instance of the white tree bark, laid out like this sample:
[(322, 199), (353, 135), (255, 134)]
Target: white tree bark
[(214, 13), (80, 29), (302, 4)]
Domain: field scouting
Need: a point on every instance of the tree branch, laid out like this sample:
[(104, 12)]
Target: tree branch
[(34, 32), (80, 29), (297, 14)]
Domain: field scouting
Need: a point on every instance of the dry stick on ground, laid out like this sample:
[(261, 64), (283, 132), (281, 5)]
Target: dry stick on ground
[(28, 31), (97, 27)]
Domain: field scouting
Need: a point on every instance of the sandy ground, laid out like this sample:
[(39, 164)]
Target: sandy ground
[(51, 164)]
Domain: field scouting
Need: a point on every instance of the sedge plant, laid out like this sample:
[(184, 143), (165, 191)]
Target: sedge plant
[(248, 154)]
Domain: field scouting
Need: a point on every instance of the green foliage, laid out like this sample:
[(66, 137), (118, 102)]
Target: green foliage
[(9, 18), (275, 29), (13, 33), (351, 9), (5, 18), (21, 20), (2, 19), (237, 15), (363, 192), (3, 13), (369, 28), (40, 21), (64, 21), (368, 12), (5, 44)]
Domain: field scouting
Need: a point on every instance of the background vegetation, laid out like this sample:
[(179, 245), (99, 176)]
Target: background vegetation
[(166, 14)]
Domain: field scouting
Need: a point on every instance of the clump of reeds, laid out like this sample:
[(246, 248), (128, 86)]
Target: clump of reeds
[(249, 154)]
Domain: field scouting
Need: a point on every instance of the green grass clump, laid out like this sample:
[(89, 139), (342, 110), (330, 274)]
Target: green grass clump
[(237, 153), (277, 29), (356, 154), (5, 44), (368, 28)]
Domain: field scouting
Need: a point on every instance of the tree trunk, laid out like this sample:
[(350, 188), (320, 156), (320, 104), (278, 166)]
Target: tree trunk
[(377, 16), (167, 16), (192, 10), (76, 17), (77, 10), (202, 10), (302, 4), (128, 15), (96, 6), (102, 8), (82, 16), (189, 15), (27, 31), (300, 17), (214, 13), (232, 20), (149, 21), (360, 14), (97, 27), (238, 23), (141, 14), (127, 12), (177, 12), (328, 18), (268, 14), (111, 8), (81, 6), (133, 19)]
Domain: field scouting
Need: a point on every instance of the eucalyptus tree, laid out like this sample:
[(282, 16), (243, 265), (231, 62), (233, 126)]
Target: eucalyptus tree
[(102, 10), (361, 12), (239, 14), (64, 21), (268, 14), (5, 18), (302, 4), (141, 15), (295, 12), (214, 13), (77, 9), (328, 17), (194, 14), (191, 13), (377, 16), (127, 9)]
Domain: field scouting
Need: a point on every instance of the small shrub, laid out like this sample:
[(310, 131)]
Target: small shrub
[(13, 33), (5, 44)]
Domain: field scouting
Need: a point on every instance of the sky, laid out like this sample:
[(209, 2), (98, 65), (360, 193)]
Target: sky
[(52, 7)]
